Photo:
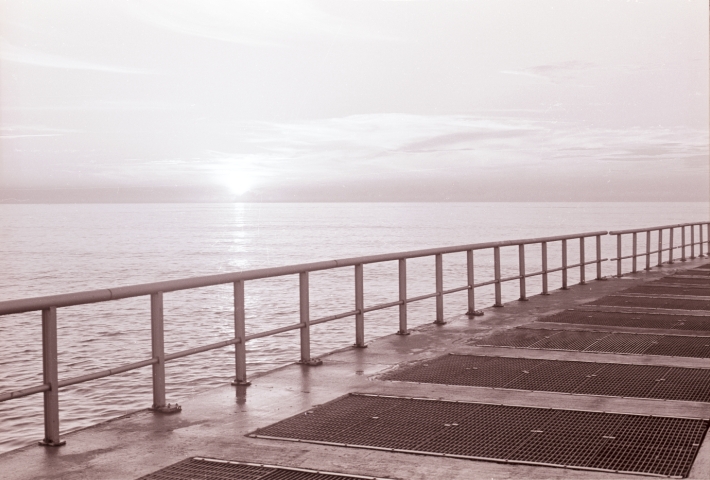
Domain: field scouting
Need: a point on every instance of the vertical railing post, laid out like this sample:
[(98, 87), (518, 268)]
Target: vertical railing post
[(564, 265), (496, 272), (240, 348), (472, 312), (305, 320), (51, 378), (670, 245), (439, 290), (618, 255), (599, 257), (359, 307), (158, 349), (521, 269), (700, 243), (660, 247), (692, 242), (582, 279), (682, 243), (403, 330), (648, 249), (543, 247), (634, 252)]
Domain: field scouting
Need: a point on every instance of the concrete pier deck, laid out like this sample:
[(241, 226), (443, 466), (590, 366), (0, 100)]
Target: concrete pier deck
[(216, 423)]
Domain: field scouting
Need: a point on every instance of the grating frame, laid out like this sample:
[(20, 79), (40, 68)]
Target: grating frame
[(689, 384), (530, 435)]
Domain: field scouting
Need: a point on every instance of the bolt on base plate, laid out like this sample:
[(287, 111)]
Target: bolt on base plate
[(169, 408), (475, 313), (403, 332), (237, 383)]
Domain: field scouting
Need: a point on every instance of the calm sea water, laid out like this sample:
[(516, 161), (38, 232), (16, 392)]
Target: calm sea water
[(51, 249)]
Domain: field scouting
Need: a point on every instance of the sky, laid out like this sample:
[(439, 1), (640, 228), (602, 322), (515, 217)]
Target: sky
[(354, 100)]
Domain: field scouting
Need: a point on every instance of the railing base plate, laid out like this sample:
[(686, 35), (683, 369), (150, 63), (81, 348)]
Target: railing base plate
[(475, 313), (311, 362), (49, 443), (169, 408)]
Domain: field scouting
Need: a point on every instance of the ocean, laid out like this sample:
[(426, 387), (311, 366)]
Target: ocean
[(62, 248)]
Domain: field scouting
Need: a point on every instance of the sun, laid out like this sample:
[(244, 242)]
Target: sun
[(238, 183)]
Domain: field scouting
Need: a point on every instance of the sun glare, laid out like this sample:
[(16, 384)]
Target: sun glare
[(238, 183)]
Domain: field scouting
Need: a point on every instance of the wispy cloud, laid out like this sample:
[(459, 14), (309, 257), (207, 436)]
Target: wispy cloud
[(27, 56), (253, 23), (553, 72)]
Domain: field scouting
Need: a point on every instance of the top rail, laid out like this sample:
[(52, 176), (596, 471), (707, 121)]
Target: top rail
[(103, 295), (651, 229)]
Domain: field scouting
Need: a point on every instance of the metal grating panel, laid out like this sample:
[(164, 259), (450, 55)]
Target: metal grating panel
[(596, 440), (492, 431), (666, 345), (574, 438), (587, 378), (624, 381), (690, 384), (556, 376), (213, 469), (687, 281), (680, 346), (662, 289), (702, 272), (615, 319), (624, 343), (693, 323), (650, 302), (446, 367), (652, 445), (570, 340), (516, 337)]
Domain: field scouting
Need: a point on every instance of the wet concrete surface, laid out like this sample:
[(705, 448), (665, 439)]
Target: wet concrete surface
[(214, 424)]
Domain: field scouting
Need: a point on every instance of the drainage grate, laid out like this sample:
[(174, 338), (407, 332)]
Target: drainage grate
[(588, 378), (667, 345), (661, 289), (213, 469), (629, 319), (588, 440), (687, 281), (651, 302)]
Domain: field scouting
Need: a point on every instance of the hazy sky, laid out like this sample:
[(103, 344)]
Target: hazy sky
[(354, 100)]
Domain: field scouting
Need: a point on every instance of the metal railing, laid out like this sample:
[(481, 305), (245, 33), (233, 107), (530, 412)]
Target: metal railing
[(660, 249), (48, 305)]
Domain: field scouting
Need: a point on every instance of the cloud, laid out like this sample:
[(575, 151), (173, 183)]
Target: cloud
[(27, 56), (248, 22), (553, 72)]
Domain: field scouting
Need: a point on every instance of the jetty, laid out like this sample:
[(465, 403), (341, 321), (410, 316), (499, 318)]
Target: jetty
[(606, 378)]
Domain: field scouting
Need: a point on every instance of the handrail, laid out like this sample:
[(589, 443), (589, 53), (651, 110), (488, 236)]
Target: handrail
[(103, 295), (48, 305), (635, 254)]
